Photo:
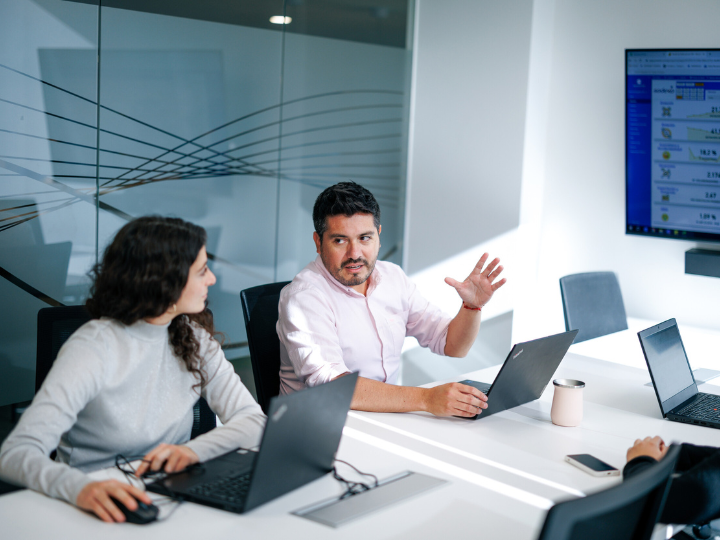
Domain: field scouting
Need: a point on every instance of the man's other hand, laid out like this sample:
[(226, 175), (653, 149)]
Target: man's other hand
[(455, 399)]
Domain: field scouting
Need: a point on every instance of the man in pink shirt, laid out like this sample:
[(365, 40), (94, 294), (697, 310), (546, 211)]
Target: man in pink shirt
[(346, 311)]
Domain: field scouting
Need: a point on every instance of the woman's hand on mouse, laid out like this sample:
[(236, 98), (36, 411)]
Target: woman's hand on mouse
[(169, 458), (96, 497)]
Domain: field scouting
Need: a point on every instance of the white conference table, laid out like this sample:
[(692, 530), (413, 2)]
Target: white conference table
[(521, 447), (456, 509), (504, 471)]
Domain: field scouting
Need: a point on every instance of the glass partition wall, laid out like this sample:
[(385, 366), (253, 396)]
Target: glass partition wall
[(206, 111)]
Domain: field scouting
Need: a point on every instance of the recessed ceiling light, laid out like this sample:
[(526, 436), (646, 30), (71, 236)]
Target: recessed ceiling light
[(279, 19)]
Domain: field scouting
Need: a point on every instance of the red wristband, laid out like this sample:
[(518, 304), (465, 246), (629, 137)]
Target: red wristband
[(472, 308)]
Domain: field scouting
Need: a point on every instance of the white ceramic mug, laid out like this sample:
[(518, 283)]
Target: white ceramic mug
[(567, 405)]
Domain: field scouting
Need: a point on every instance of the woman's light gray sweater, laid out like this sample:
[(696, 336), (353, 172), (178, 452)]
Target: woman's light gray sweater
[(117, 389)]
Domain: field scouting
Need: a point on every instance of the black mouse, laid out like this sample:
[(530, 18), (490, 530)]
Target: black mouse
[(145, 513)]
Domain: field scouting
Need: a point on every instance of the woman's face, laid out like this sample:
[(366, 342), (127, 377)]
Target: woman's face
[(193, 296)]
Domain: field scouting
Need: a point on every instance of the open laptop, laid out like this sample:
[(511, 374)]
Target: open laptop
[(673, 380), (525, 374), (298, 445)]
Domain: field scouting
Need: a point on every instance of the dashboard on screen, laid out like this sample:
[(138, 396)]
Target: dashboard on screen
[(672, 143)]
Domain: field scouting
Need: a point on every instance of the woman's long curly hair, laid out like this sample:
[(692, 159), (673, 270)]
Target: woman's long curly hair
[(143, 273)]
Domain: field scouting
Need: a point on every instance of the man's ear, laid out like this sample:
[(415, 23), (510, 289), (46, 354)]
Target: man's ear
[(379, 229), (318, 241)]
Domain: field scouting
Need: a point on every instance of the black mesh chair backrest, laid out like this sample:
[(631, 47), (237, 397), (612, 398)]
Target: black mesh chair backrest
[(57, 324), (593, 304), (54, 326), (627, 511), (260, 309)]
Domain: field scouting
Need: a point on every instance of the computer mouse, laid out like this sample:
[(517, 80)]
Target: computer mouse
[(145, 513)]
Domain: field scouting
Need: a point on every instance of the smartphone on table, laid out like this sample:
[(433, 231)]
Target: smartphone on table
[(592, 465)]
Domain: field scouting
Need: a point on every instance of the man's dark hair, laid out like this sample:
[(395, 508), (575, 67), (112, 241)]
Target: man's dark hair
[(347, 199)]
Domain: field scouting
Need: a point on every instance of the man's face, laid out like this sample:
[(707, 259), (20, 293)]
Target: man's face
[(349, 248)]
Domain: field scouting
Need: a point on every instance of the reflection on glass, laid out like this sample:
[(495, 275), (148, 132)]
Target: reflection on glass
[(344, 118), (186, 111), (207, 111), (47, 162)]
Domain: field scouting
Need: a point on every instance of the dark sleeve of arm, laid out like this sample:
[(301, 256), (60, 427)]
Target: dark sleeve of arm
[(691, 455), (634, 466), (694, 495)]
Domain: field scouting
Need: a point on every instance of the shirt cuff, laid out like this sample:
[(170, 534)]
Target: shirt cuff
[(70, 492), (326, 374), (438, 346)]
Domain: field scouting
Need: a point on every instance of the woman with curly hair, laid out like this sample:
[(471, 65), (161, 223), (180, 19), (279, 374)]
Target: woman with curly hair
[(126, 382)]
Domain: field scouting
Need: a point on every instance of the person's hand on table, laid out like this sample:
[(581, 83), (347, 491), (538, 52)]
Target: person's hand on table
[(95, 497), (478, 287), (168, 458), (653, 447), (455, 399)]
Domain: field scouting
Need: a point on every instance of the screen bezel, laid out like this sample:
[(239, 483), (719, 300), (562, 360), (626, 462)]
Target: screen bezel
[(683, 395), (635, 230)]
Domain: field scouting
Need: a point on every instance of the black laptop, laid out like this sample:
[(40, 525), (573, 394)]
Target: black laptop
[(298, 445), (673, 379), (525, 374)]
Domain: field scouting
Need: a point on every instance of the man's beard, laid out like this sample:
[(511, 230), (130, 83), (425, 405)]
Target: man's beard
[(356, 279)]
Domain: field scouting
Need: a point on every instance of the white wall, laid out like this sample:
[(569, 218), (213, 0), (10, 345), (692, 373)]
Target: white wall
[(470, 70), (581, 223), (469, 93)]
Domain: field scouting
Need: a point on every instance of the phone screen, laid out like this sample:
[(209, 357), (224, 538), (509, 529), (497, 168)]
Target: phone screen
[(592, 462)]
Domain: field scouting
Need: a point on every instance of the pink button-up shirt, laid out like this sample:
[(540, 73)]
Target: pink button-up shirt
[(327, 328)]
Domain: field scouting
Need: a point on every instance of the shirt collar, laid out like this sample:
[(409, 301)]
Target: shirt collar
[(373, 281)]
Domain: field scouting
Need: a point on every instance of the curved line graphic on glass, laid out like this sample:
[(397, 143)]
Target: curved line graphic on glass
[(233, 154)]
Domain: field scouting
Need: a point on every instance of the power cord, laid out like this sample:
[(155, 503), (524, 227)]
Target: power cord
[(124, 465), (353, 488)]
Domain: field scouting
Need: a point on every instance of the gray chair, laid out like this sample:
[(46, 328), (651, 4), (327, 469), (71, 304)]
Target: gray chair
[(593, 304), (627, 511)]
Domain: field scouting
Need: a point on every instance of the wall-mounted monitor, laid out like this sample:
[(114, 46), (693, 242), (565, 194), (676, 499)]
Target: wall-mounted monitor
[(672, 143)]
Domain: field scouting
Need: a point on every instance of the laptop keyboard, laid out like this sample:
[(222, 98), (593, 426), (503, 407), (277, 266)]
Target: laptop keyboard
[(705, 408), (231, 489)]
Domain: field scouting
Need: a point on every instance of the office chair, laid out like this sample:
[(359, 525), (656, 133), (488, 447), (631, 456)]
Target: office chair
[(57, 324), (627, 511), (260, 310), (593, 304)]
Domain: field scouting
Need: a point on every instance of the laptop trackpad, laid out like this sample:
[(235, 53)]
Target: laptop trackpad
[(240, 461)]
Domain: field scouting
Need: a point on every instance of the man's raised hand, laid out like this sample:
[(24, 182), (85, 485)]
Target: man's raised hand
[(479, 286)]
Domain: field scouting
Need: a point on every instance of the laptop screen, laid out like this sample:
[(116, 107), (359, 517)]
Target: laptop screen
[(670, 369)]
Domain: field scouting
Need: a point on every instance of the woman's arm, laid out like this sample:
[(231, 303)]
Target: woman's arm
[(242, 418), (74, 380)]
